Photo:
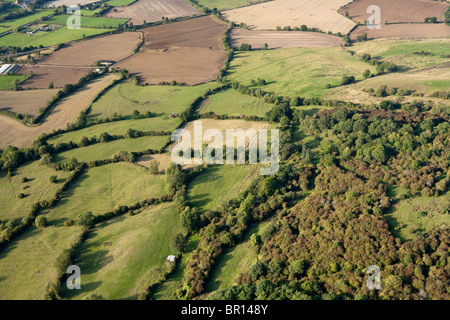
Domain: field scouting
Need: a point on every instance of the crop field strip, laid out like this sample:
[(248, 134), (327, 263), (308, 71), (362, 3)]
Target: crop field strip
[(26, 102)]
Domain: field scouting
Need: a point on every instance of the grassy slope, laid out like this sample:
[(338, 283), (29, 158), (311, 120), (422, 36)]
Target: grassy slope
[(89, 22), (27, 264), (232, 102), (36, 189), (61, 35), (120, 127), (299, 71), (105, 188), (107, 150), (25, 20), (126, 97), (134, 259), (414, 216), (219, 184)]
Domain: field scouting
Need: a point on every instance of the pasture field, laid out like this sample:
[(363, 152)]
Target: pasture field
[(396, 11), (119, 127), (301, 72), (43, 75), (85, 53), (119, 3), (6, 82), (13, 132), (219, 184), (184, 65), (27, 102), (11, 24), (203, 32), (89, 22), (103, 189), (125, 97), (52, 38), (153, 10), (232, 102), (27, 264), (321, 14), (227, 4), (419, 30), (402, 52), (412, 217), (121, 257), (36, 188), (107, 150), (57, 3), (235, 260), (89, 13), (282, 39)]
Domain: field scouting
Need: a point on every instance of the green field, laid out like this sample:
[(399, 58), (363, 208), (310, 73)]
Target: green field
[(51, 38), (25, 20), (119, 3), (119, 127), (89, 13), (103, 151), (227, 4), (89, 22), (105, 188), (234, 261), (232, 102), (301, 72), (37, 188), (125, 97), (219, 184), (123, 256), (412, 217), (27, 264), (6, 82)]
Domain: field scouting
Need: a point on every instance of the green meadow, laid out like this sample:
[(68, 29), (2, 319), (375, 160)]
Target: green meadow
[(125, 97), (33, 181), (121, 257), (293, 72), (119, 3), (27, 19), (219, 184), (6, 82), (102, 151), (103, 189), (89, 22), (232, 102), (27, 264)]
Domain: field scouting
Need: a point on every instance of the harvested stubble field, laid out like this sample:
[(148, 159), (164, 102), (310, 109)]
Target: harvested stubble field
[(396, 11), (321, 14), (203, 32), (13, 132), (43, 75), (153, 10), (26, 102), (186, 58), (85, 53), (282, 39), (164, 160), (409, 30)]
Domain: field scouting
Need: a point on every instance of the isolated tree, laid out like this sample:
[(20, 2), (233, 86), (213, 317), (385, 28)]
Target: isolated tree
[(40, 222), (179, 243)]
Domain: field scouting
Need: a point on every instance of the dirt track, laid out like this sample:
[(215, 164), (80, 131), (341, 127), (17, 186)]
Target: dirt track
[(282, 39), (407, 30), (13, 132), (153, 10), (396, 10)]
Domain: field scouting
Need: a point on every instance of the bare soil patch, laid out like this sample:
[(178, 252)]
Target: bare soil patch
[(396, 11), (409, 30), (153, 10), (26, 102), (321, 14), (282, 39)]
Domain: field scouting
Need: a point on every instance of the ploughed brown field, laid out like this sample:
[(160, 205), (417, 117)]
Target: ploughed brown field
[(408, 30), (282, 39), (153, 10), (13, 132), (178, 51), (396, 10), (27, 102), (70, 63)]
